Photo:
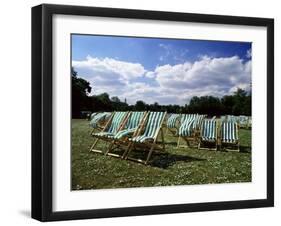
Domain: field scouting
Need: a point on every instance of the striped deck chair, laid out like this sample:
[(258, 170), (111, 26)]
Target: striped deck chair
[(172, 122), (198, 122), (98, 120), (223, 118), (121, 137), (114, 124), (229, 135), (187, 129), (146, 136), (93, 115), (243, 121), (209, 135), (249, 122)]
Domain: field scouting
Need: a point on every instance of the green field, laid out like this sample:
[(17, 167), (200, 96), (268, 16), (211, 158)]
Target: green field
[(181, 166)]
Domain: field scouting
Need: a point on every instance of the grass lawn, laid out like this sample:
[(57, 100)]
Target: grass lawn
[(174, 167)]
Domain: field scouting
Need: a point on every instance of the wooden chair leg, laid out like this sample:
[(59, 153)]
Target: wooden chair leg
[(109, 148), (127, 151), (94, 144), (149, 154), (178, 144), (163, 141), (166, 133)]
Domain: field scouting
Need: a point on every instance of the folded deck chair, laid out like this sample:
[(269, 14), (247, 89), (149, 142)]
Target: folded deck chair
[(243, 121), (198, 122), (98, 119), (93, 115), (209, 135), (187, 129), (114, 124), (121, 137), (146, 136), (223, 118), (249, 122), (172, 122), (229, 135)]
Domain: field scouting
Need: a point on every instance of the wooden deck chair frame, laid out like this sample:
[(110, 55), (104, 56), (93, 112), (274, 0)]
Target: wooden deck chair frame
[(188, 139), (123, 142), (151, 146), (174, 133), (202, 142), (101, 126), (104, 138), (224, 144)]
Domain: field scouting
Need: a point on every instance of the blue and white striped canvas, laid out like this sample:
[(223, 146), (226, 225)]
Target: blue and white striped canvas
[(152, 126), (229, 132)]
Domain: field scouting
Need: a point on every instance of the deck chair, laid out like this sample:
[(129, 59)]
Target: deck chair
[(172, 122), (121, 137), (243, 121), (223, 118), (98, 120), (114, 124), (229, 136), (198, 122), (249, 122), (146, 136), (93, 115), (187, 129), (209, 135)]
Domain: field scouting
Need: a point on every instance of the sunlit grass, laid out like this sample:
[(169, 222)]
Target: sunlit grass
[(181, 166)]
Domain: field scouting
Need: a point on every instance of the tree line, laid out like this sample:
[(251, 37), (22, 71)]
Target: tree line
[(237, 104)]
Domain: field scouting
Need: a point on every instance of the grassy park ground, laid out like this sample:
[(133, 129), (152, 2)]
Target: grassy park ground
[(176, 166)]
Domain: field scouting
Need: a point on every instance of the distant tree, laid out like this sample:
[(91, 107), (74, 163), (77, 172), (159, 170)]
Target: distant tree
[(205, 105), (228, 103), (80, 91), (140, 105), (115, 99)]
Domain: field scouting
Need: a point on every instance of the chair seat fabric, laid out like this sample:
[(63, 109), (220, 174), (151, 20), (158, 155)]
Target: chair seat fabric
[(229, 132), (124, 133), (209, 130), (104, 134), (141, 139)]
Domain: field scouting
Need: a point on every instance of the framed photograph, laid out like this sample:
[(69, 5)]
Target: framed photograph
[(145, 112)]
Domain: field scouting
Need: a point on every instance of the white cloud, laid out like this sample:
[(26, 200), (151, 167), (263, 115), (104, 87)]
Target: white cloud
[(125, 70), (249, 53), (217, 76), (166, 84)]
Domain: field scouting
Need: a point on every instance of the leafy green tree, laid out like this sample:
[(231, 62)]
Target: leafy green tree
[(80, 91), (205, 105), (140, 105)]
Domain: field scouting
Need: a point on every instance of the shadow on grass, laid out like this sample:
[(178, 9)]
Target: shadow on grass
[(171, 143), (165, 160), (245, 149)]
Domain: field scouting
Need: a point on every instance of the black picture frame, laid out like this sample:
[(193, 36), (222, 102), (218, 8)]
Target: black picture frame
[(42, 111)]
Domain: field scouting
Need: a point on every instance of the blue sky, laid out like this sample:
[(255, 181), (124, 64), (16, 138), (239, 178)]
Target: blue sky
[(159, 70)]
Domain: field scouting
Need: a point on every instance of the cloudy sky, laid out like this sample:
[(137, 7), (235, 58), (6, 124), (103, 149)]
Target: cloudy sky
[(166, 71)]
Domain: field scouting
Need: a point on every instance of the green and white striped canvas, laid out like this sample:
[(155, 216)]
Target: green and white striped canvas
[(98, 117), (153, 124), (93, 115), (243, 120), (209, 130), (232, 118), (172, 120), (115, 124), (198, 121), (187, 125), (229, 132), (131, 125)]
